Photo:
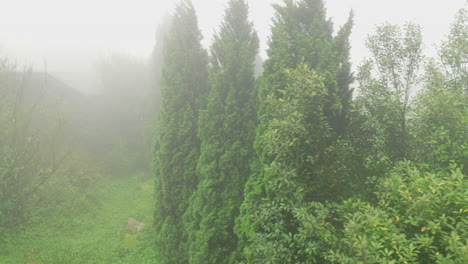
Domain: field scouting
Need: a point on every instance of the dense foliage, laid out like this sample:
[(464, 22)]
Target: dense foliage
[(419, 217), (273, 163), (377, 179)]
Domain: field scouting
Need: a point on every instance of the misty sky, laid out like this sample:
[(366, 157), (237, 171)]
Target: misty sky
[(69, 36)]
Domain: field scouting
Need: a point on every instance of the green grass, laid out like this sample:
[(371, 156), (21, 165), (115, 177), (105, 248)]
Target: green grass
[(88, 226)]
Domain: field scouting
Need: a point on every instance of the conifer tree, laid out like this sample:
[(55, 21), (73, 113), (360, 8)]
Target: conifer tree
[(344, 77), (301, 35), (226, 130), (184, 87)]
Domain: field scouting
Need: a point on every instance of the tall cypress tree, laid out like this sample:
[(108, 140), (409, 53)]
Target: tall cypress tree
[(226, 129), (344, 77), (184, 87), (301, 34)]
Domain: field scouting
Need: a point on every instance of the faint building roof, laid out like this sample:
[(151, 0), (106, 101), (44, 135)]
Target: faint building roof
[(43, 83)]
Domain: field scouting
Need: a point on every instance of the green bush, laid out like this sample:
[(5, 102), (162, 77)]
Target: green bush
[(420, 217)]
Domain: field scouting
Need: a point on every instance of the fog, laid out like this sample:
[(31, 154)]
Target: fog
[(125, 138), (68, 38)]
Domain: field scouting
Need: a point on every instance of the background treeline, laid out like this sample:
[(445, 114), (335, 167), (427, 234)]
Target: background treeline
[(292, 167), (75, 167)]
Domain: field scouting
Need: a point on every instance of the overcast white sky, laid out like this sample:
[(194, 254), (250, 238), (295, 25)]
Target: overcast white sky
[(70, 35)]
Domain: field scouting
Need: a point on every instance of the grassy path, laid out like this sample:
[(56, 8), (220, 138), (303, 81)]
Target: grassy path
[(90, 227)]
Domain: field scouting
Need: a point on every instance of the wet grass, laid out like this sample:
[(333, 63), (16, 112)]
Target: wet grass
[(88, 227)]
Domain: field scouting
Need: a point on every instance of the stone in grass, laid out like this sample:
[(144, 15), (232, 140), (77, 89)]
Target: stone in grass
[(133, 226)]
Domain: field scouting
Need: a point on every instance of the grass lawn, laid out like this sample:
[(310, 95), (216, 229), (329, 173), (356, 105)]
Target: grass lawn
[(89, 227)]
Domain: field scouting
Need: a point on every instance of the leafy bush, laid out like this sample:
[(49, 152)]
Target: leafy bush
[(420, 217)]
